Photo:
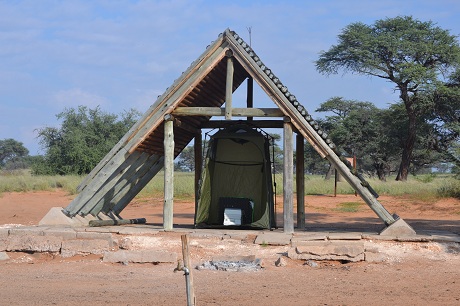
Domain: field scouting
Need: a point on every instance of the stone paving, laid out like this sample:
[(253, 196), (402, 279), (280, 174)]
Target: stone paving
[(141, 243)]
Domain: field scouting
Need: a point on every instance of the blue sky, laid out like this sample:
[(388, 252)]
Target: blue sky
[(123, 54)]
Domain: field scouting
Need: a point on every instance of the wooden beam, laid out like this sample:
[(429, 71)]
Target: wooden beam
[(168, 175), (198, 167), (185, 126), (229, 86), (263, 124), (236, 112), (288, 169), (300, 181), (250, 95)]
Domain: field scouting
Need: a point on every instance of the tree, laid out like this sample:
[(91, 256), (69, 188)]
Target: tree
[(12, 154), (361, 129), (412, 54), (82, 140)]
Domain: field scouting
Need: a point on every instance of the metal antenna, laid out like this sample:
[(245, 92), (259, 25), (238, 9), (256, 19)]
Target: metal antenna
[(250, 37)]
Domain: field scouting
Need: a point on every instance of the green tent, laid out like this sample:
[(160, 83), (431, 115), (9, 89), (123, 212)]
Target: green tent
[(236, 184)]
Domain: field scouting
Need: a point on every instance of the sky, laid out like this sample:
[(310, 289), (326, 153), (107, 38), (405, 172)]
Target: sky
[(122, 54)]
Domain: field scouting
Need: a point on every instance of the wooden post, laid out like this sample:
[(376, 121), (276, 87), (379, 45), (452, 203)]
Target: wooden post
[(198, 167), (336, 179), (188, 272), (288, 205), (354, 169), (168, 173), (300, 181), (229, 86), (250, 96)]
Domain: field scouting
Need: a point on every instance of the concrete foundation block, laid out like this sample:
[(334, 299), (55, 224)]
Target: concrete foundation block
[(33, 243), (141, 256), (84, 247), (55, 217), (398, 229), (273, 238)]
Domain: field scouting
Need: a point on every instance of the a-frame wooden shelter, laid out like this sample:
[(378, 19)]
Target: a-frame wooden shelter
[(178, 116)]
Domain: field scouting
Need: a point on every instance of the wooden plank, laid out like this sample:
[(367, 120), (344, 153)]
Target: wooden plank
[(263, 124), (168, 176), (106, 174), (236, 112), (229, 86), (198, 166), (137, 185), (106, 195), (106, 187), (288, 169), (169, 103), (300, 181)]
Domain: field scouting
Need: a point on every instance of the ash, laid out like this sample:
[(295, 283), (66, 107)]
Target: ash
[(231, 266)]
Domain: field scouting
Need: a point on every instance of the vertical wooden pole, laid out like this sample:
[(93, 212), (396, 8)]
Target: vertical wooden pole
[(168, 173), (188, 272), (229, 86), (250, 95), (288, 169), (336, 179), (300, 181), (198, 167), (354, 169)]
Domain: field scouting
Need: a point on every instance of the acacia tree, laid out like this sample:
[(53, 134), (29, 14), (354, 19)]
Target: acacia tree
[(82, 140), (12, 152), (412, 54), (360, 128)]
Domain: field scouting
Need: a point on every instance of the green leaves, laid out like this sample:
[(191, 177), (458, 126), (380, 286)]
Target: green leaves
[(83, 139)]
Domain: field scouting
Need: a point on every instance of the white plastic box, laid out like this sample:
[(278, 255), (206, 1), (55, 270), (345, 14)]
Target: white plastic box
[(232, 216)]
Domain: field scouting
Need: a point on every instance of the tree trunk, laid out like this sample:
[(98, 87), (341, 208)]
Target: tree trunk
[(406, 157), (381, 173)]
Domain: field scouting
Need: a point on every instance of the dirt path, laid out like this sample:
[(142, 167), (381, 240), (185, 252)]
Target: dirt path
[(415, 274)]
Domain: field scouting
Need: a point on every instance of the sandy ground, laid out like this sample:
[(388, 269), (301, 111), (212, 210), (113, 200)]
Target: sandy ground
[(414, 274)]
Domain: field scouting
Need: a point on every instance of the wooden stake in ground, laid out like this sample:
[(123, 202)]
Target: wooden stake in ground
[(188, 272)]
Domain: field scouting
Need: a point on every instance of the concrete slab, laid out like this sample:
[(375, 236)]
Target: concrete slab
[(4, 232), (345, 236), (141, 256), (128, 230), (84, 247), (63, 232), (3, 244), (310, 236), (331, 250), (55, 217), (273, 238), (33, 243), (398, 229), (96, 236), (27, 231)]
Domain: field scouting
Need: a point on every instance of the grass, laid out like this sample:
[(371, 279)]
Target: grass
[(420, 187), (349, 207)]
